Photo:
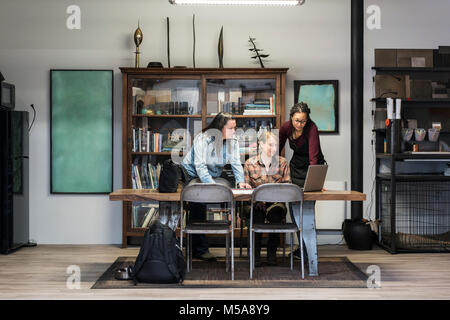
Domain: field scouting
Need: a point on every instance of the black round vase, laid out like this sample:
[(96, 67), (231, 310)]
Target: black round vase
[(358, 235)]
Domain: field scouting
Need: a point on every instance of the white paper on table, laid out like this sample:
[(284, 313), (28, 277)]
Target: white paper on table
[(242, 191)]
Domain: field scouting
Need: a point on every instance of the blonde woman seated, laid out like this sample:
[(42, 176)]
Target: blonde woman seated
[(267, 167)]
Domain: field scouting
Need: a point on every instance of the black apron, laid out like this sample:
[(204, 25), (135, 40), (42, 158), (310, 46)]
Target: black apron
[(300, 161)]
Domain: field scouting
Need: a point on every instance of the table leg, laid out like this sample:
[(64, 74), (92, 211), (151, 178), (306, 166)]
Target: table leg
[(310, 236)]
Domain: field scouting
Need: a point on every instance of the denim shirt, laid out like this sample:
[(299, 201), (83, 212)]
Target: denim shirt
[(207, 158)]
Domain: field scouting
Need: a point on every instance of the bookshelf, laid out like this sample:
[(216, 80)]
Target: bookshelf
[(164, 108)]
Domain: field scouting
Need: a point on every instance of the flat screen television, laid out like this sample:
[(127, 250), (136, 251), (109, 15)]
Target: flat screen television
[(7, 95)]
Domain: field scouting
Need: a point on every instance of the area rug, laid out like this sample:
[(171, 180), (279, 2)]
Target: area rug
[(334, 272)]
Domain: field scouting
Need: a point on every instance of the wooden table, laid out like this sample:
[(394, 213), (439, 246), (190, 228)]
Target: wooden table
[(309, 219)]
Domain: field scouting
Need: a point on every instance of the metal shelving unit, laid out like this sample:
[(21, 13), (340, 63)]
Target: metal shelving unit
[(414, 208)]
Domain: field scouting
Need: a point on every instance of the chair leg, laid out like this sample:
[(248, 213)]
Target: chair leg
[(292, 251), (253, 250), (188, 252), (232, 254), (301, 254), (248, 243), (240, 239), (226, 252), (249, 254)]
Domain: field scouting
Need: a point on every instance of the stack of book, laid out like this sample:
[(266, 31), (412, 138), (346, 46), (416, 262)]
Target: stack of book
[(261, 107), (145, 175)]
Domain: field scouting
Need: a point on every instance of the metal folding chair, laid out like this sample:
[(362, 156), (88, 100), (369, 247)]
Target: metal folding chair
[(276, 192), (208, 193)]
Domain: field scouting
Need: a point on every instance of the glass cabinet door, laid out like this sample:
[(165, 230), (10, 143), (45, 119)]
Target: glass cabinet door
[(251, 101), (166, 96), (241, 96)]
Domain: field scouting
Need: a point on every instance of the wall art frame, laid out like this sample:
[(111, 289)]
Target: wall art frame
[(322, 97), (81, 131)]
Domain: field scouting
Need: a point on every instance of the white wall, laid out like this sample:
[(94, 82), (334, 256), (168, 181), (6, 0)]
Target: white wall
[(313, 40), (404, 24)]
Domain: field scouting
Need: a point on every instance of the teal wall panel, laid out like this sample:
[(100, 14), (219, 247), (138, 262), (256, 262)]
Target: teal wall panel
[(81, 131)]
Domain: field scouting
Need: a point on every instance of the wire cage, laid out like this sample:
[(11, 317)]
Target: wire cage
[(421, 220)]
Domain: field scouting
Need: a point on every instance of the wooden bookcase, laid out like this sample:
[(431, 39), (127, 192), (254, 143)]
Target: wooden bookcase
[(186, 98)]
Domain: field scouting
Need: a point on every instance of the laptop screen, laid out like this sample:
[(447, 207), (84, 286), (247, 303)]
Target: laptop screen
[(315, 177)]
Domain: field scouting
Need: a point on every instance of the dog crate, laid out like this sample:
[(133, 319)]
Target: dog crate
[(415, 216)]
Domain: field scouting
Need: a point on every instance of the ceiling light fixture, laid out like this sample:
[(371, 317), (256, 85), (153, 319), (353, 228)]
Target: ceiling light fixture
[(242, 2)]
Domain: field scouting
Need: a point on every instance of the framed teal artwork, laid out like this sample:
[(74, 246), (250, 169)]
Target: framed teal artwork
[(81, 131), (322, 97)]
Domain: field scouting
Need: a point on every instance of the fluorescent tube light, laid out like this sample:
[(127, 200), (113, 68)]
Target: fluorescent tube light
[(242, 2)]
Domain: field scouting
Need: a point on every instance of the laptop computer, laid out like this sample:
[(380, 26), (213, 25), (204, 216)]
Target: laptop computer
[(315, 177)]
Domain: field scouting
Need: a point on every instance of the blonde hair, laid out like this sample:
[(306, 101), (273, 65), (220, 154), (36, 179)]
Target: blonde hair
[(266, 135)]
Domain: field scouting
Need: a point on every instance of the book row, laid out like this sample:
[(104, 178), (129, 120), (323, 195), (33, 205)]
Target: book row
[(145, 140), (145, 175)]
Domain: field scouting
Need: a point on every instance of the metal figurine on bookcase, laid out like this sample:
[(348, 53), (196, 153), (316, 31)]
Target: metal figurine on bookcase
[(220, 48), (138, 37), (256, 51)]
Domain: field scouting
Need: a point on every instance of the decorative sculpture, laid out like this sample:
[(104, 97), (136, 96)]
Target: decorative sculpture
[(220, 48), (168, 44), (193, 30), (138, 36), (256, 51)]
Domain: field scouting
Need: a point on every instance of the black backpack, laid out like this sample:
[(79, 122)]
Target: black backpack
[(160, 259), (169, 177)]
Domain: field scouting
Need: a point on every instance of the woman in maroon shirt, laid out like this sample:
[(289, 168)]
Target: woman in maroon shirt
[(303, 137)]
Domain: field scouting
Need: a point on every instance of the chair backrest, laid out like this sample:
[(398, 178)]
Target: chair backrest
[(206, 192), (278, 192)]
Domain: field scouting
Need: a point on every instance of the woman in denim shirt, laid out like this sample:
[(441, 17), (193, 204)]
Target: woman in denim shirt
[(212, 149)]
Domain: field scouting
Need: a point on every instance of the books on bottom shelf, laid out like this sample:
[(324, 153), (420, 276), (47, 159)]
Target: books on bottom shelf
[(143, 216), (151, 213)]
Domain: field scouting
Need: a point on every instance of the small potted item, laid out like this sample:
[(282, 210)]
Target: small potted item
[(407, 133), (433, 134), (420, 134)]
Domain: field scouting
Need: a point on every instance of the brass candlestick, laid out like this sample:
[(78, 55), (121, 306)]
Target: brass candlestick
[(138, 36)]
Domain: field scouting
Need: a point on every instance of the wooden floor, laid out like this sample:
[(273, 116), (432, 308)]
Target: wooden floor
[(41, 273)]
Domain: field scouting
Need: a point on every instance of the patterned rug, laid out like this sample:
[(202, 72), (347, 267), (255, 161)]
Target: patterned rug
[(334, 272)]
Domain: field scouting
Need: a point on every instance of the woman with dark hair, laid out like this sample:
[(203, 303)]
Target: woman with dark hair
[(303, 137), (212, 149)]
